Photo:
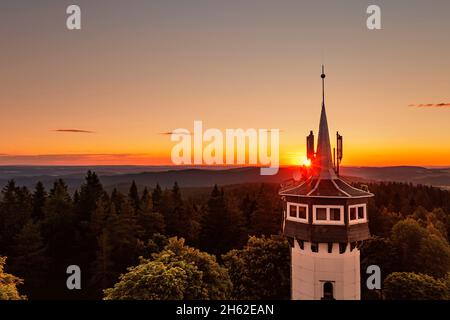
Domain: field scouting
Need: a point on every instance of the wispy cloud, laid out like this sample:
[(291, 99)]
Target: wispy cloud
[(168, 133), (82, 159), (431, 105), (73, 131), (270, 130)]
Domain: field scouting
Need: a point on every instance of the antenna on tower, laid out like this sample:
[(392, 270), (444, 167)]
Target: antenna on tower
[(334, 159), (340, 152), (310, 146)]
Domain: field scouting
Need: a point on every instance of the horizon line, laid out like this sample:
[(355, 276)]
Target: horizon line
[(225, 166)]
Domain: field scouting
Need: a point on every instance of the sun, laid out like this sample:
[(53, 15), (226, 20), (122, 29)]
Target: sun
[(299, 159), (306, 162)]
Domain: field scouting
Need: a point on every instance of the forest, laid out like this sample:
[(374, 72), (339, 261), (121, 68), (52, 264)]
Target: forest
[(213, 243)]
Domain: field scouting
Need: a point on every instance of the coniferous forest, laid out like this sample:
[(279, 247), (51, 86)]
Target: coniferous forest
[(220, 243)]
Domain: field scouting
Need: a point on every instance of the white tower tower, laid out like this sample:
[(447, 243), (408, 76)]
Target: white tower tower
[(325, 220)]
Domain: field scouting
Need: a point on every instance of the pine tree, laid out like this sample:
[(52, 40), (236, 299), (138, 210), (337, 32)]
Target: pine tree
[(237, 235), (118, 200), (133, 196), (157, 198), (103, 269), (76, 197), (149, 221), (215, 224), (90, 193), (146, 201), (166, 206), (190, 230), (59, 229), (39, 197), (100, 215), (15, 210), (247, 207), (266, 220), (30, 261), (174, 216), (122, 234)]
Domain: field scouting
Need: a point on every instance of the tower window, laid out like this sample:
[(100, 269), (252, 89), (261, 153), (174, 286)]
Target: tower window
[(328, 214), (297, 212), (293, 211), (335, 214), (357, 213), (360, 212), (302, 212), (321, 214), (352, 213)]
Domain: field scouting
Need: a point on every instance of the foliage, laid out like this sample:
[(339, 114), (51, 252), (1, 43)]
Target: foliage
[(8, 284), (381, 252), (221, 223), (414, 286), (261, 270), (420, 250), (177, 272), (44, 231)]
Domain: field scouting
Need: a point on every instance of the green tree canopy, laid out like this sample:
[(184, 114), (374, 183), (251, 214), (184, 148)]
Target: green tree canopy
[(414, 286), (261, 269), (420, 250), (177, 272)]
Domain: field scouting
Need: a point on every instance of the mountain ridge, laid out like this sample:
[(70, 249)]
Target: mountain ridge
[(208, 176)]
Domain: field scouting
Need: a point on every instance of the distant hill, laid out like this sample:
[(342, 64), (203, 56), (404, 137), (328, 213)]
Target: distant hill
[(188, 177), (143, 176), (439, 177)]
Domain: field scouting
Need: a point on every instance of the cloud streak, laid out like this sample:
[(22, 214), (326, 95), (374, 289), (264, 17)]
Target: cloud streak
[(431, 105), (83, 159), (73, 131), (168, 133)]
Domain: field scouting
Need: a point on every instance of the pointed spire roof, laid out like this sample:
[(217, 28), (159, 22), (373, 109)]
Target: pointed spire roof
[(324, 163), (323, 183)]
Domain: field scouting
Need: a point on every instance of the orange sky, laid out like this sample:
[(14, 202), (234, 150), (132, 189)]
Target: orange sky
[(135, 71)]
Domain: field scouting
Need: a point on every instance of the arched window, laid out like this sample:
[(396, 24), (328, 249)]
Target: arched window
[(328, 291)]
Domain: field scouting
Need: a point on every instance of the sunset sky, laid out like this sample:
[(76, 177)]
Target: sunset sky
[(105, 94)]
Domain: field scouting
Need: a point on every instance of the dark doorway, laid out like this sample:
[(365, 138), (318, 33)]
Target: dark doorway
[(328, 291)]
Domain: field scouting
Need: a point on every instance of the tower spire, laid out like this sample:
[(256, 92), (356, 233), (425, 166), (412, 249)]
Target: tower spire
[(323, 85), (324, 161)]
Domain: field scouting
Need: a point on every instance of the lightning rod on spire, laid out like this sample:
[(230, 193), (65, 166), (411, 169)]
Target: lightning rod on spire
[(323, 85)]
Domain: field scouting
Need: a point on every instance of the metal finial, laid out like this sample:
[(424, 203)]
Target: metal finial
[(323, 85)]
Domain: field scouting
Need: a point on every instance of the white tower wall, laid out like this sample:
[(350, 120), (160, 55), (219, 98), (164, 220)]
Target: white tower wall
[(310, 270)]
